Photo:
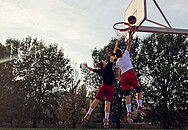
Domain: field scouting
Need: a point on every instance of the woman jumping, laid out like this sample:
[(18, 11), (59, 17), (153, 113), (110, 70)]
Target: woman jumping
[(106, 89), (128, 77)]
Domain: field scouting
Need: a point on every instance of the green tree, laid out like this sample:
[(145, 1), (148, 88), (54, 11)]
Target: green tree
[(41, 72), (5, 69), (73, 105), (164, 60), (8, 99)]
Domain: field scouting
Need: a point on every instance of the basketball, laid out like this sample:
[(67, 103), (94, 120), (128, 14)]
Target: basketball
[(132, 19)]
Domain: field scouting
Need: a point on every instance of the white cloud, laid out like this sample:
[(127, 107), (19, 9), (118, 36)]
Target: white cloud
[(76, 25)]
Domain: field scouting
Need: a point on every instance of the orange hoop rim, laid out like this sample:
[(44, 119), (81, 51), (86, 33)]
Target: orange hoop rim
[(124, 29)]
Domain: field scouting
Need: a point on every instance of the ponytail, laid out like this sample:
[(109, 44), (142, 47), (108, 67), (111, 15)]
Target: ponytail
[(110, 52), (115, 55)]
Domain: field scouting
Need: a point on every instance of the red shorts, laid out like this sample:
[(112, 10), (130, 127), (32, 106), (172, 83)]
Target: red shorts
[(128, 80), (105, 90)]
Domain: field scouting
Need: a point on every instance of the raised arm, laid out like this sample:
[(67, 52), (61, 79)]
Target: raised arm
[(129, 41), (112, 57), (116, 46), (89, 68)]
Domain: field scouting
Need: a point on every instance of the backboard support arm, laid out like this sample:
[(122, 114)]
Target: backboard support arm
[(162, 30), (157, 23), (162, 13)]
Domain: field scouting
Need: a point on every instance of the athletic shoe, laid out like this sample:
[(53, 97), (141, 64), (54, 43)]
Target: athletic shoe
[(129, 118), (141, 111), (87, 116), (105, 123)]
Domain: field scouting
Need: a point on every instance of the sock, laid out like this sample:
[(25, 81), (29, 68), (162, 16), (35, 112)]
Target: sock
[(90, 110), (129, 107), (140, 102), (107, 115)]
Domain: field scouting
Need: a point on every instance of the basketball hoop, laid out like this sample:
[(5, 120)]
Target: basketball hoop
[(122, 30)]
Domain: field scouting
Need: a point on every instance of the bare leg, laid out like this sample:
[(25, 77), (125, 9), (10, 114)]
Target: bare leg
[(128, 99), (139, 99), (107, 113), (91, 108), (94, 103), (107, 106), (128, 105), (139, 96)]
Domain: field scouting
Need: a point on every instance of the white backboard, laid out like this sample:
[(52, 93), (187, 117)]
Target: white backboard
[(138, 9)]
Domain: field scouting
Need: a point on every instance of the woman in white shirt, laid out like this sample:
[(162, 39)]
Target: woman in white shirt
[(127, 77)]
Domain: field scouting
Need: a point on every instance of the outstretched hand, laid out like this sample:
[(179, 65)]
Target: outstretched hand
[(116, 45), (132, 29), (85, 64)]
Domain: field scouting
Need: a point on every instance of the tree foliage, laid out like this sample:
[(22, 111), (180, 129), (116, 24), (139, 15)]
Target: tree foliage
[(39, 85), (9, 101), (164, 59), (73, 106), (160, 63), (5, 69), (40, 73)]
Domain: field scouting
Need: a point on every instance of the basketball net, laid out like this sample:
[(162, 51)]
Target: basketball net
[(122, 30), (122, 35)]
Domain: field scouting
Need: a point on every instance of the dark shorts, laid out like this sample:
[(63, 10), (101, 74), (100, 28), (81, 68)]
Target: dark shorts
[(128, 80), (105, 90)]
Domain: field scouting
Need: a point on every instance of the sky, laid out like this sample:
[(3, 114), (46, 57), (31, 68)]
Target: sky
[(78, 26)]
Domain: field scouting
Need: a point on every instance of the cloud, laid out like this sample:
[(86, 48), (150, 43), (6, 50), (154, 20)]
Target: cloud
[(76, 25)]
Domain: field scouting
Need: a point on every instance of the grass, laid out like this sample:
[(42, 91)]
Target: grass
[(49, 129), (65, 129)]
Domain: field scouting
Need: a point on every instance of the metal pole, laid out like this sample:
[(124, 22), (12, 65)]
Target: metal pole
[(162, 13), (156, 23)]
